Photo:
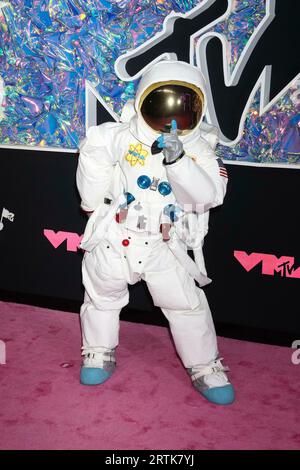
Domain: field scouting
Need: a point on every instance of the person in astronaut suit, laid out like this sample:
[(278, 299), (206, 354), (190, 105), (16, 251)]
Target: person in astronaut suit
[(149, 184)]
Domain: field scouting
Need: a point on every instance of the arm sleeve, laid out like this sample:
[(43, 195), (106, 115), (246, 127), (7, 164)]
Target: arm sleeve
[(95, 167), (199, 183)]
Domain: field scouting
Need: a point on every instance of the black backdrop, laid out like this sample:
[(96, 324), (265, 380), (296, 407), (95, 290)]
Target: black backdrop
[(260, 215)]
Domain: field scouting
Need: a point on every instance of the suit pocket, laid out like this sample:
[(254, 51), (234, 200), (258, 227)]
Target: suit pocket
[(173, 289), (108, 260)]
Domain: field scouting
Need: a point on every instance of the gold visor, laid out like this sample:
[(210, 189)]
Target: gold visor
[(164, 101)]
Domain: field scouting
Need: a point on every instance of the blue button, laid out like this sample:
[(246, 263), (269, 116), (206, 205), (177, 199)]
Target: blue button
[(164, 188), (171, 210), (129, 197), (144, 181)]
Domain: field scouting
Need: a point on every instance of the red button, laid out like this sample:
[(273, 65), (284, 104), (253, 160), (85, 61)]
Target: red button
[(125, 242)]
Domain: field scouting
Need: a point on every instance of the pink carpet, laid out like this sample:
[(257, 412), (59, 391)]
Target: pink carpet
[(149, 403)]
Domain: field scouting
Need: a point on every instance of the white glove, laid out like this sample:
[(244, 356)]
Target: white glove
[(171, 145)]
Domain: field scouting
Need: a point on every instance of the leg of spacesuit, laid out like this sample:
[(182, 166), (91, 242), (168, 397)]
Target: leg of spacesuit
[(100, 327), (191, 324), (193, 333), (185, 306), (106, 292)]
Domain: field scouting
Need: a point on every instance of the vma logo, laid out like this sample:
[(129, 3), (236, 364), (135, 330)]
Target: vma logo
[(270, 264), (269, 61), (58, 238)]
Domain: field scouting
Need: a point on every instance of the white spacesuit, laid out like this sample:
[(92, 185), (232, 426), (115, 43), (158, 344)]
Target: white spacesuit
[(149, 184)]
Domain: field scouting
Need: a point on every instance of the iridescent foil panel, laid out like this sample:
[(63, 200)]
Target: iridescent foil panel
[(48, 48), (273, 137)]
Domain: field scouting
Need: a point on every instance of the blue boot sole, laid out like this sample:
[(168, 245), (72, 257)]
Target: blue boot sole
[(93, 375), (220, 395)]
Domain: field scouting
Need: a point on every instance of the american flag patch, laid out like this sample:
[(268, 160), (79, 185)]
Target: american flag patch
[(222, 168)]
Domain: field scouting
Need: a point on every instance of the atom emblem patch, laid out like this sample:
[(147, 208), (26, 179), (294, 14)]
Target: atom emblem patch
[(136, 154)]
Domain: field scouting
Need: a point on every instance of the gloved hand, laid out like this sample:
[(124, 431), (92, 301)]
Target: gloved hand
[(171, 145)]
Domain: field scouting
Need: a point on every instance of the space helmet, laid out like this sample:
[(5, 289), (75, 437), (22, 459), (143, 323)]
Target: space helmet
[(171, 90)]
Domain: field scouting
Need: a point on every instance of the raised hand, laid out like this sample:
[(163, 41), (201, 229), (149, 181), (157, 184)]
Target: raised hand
[(170, 144)]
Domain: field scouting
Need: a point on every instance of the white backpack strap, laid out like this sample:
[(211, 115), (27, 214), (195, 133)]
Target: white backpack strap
[(209, 133)]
